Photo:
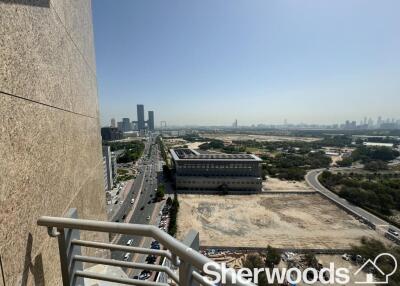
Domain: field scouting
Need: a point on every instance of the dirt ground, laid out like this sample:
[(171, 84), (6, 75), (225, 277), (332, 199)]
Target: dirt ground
[(279, 220), (274, 184)]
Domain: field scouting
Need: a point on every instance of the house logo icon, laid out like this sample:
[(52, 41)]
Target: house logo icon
[(370, 278)]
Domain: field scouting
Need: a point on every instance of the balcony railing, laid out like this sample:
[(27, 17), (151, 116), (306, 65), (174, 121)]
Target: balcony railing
[(181, 256)]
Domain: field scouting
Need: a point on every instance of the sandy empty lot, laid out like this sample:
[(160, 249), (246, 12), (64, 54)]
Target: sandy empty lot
[(286, 221)]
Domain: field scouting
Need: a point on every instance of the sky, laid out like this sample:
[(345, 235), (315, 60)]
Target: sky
[(209, 62)]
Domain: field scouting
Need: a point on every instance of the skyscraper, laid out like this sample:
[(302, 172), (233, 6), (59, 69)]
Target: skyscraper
[(140, 117), (126, 125), (150, 121), (113, 123)]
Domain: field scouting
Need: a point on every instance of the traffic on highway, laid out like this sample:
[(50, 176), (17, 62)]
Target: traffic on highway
[(139, 205)]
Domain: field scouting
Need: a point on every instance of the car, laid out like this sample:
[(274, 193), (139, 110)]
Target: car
[(393, 232), (129, 242), (346, 257), (150, 259), (116, 202), (145, 274), (148, 218), (127, 256), (124, 216), (155, 246), (132, 201), (121, 202), (142, 208)]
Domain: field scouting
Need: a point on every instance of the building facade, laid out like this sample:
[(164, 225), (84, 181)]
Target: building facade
[(150, 121), (50, 144), (110, 133), (140, 117), (126, 125), (113, 123), (231, 172)]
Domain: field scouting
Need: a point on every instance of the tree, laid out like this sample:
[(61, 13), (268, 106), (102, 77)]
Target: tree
[(160, 192), (375, 166), (346, 162), (253, 261), (273, 257), (223, 189), (310, 260)]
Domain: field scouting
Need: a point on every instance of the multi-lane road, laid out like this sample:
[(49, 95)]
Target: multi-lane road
[(143, 191)]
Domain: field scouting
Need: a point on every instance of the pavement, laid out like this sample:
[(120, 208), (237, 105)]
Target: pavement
[(312, 179)]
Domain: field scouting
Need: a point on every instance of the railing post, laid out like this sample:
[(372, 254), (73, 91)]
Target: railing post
[(68, 251), (185, 268)]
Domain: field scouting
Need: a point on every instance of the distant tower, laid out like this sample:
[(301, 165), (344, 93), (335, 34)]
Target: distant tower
[(126, 125), (150, 121), (235, 124), (113, 123), (140, 117)]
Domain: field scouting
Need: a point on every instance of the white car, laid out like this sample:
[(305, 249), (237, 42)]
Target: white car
[(129, 242), (148, 218), (127, 256), (393, 232), (132, 201)]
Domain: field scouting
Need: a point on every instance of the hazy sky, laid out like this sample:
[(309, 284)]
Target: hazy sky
[(211, 61)]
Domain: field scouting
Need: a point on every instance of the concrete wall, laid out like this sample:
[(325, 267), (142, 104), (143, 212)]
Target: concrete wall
[(50, 145)]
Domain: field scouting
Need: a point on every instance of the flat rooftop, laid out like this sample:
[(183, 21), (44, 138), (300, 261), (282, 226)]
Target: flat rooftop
[(190, 154)]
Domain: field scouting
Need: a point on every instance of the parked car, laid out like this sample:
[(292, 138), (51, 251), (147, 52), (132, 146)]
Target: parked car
[(127, 256), (393, 232), (129, 242)]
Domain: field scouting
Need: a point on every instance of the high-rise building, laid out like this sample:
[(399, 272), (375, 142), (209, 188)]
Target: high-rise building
[(150, 121), (113, 123), (119, 126), (111, 133), (126, 124), (51, 157), (140, 117)]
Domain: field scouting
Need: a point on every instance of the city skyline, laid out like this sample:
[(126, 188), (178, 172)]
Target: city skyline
[(209, 62)]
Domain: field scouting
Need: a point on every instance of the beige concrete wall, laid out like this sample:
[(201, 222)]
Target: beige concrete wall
[(50, 146)]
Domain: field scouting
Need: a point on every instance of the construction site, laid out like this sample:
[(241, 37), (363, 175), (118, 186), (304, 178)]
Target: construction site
[(286, 221)]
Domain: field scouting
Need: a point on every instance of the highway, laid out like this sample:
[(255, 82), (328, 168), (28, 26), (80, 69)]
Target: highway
[(143, 190), (312, 180)]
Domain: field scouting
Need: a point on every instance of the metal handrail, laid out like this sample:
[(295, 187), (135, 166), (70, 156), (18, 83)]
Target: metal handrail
[(131, 249), (185, 253), (133, 265)]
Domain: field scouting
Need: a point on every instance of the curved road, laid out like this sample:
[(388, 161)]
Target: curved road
[(312, 179)]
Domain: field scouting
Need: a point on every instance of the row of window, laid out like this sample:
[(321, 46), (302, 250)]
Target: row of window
[(212, 166), (219, 182), (217, 175)]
